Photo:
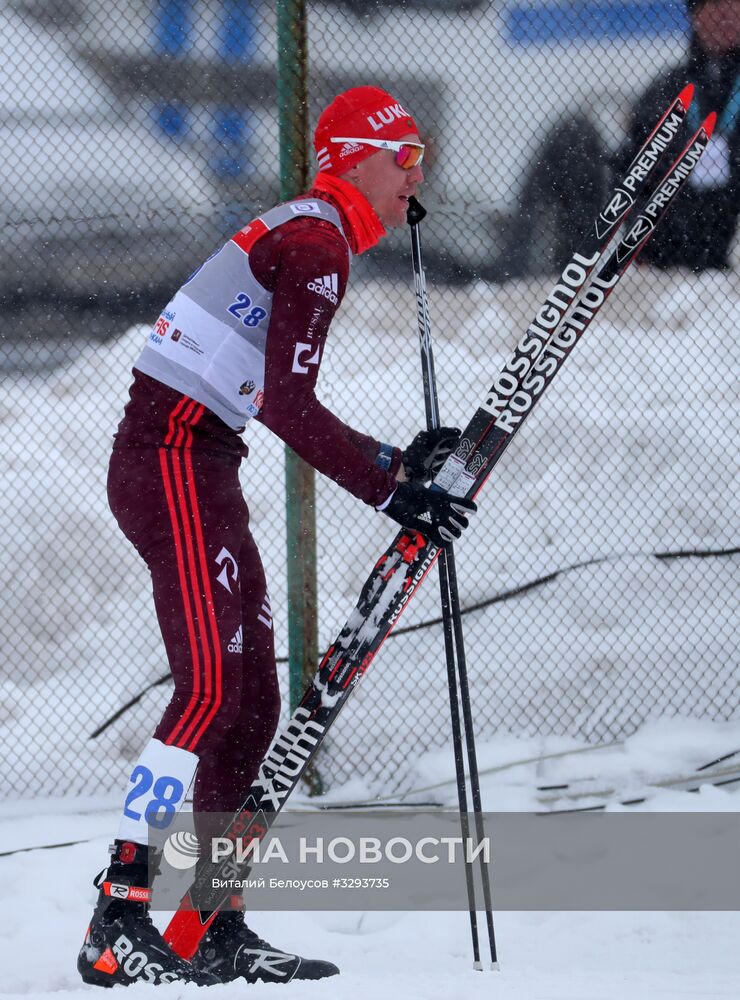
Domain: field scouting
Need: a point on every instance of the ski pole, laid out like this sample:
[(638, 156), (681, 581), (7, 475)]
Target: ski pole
[(452, 621)]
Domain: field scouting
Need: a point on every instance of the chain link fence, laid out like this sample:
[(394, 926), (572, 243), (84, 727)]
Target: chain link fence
[(598, 582)]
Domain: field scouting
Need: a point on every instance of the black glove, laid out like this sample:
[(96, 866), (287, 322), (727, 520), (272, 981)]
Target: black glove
[(434, 514), (428, 452)]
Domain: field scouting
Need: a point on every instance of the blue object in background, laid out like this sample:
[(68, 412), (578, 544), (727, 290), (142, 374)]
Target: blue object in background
[(230, 131), (236, 31), (592, 20), (171, 27)]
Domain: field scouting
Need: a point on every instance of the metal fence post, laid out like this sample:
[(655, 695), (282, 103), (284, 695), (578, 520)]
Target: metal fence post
[(299, 477)]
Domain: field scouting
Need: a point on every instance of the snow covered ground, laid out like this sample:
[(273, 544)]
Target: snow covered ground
[(420, 956)]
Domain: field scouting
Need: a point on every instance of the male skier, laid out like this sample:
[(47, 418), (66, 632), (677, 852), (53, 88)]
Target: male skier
[(244, 338)]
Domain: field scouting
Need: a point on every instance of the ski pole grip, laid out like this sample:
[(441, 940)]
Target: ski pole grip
[(415, 212)]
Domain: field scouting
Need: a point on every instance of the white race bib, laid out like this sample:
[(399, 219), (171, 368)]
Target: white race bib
[(157, 789)]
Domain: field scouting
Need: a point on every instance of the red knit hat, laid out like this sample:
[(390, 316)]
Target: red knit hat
[(360, 113)]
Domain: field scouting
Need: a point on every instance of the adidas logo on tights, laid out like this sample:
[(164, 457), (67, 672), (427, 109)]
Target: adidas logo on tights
[(235, 646)]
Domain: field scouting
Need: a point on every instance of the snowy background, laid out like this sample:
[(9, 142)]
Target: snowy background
[(629, 453), (618, 678)]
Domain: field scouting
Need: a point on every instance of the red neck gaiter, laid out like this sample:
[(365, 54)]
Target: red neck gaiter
[(364, 226)]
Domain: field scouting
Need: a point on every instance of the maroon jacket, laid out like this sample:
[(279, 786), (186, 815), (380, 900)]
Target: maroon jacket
[(286, 260)]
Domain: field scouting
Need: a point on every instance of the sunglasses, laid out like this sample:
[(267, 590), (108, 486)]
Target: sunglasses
[(408, 154)]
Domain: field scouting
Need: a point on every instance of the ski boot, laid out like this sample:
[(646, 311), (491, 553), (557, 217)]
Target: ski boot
[(230, 950), (122, 945)]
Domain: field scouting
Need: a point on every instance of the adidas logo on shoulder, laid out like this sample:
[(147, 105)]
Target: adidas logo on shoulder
[(235, 646), (326, 286)]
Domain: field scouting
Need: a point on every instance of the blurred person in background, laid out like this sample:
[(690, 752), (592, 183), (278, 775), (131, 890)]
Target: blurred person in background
[(557, 205), (698, 233), (244, 338)]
